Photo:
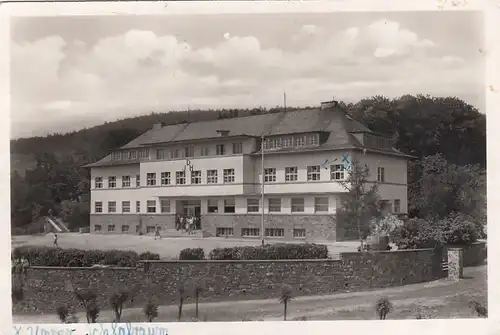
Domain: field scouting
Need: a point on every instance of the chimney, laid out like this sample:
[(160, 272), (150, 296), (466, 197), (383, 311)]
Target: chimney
[(222, 132), (158, 125), (329, 104)]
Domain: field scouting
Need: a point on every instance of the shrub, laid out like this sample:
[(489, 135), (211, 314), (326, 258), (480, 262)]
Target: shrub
[(149, 256), (416, 234), (151, 310), (271, 251), (459, 228), (386, 225), (383, 307), (45, 256), (17, 291), (63, 313), (192, 254)]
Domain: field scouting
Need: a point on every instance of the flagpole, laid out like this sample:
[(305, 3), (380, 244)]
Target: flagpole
[(262, 189)]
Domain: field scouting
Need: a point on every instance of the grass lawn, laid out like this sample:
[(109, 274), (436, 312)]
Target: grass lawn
[(168, 248), (438, 299)]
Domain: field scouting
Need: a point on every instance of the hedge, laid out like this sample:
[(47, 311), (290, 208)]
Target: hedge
[(271, 251), (149, 256), (45, 256), (190, 254)]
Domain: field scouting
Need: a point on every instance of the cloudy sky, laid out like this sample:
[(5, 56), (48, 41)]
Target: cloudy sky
[(72, 72)]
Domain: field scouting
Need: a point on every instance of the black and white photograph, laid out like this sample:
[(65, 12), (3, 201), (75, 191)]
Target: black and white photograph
[(258, 166)]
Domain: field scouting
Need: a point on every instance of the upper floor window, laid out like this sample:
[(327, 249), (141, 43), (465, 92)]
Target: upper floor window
[(228, 175), (160, 154), (132, 154), (269, 175), (204, 151), (137, 206), (98, 206), (237, 148), (300, 141), (175, 153), (125, 181), (151, 179), (165, 178), (98, 182), (337, 172), (291, 173), (116, 155), (180, 177), (381, 174), (220, 149), (144, 153), (151, 206), (229, 206), (313, 172), (275, 143), (312, 139), (195, 177), (189, 152), (287, 142), (138, 180), (211, 176), (212, 206), (112, 182)]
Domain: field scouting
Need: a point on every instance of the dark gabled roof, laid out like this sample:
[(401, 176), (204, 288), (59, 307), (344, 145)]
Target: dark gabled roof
[(336, 123)]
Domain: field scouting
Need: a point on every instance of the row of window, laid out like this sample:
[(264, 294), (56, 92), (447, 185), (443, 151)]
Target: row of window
[(337, 172), (255, 232), (253, 205), (126, 228), (297, 141), (187, 152)]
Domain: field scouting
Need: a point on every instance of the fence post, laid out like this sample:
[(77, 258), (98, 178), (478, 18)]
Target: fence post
[(455, 264)]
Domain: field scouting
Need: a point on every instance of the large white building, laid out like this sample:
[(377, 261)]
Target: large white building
[(212, 169)]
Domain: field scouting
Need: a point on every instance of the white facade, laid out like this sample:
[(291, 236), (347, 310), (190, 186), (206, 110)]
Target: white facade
[(239, 178)]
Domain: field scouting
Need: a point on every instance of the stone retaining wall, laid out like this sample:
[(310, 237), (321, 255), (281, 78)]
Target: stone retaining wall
[(47, 288)]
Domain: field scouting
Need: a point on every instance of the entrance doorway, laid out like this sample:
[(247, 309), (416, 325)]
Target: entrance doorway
[(192, 208)]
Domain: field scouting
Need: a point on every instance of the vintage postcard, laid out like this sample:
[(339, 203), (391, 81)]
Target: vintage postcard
[(204, 162)]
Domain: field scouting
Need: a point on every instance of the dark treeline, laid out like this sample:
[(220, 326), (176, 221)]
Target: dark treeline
[(54, 180)]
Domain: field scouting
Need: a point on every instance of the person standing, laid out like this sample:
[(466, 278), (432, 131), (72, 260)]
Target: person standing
[(157, 232), (55, 245)]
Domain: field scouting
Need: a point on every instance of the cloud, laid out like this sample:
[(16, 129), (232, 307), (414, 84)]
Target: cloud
[(140, 71)]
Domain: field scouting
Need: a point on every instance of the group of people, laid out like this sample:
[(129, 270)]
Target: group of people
[(185, 223)]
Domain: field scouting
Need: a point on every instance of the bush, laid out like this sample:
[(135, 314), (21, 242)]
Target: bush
[(459, 228), (45, 256), (271, 251), (192, 254), (149, 256)]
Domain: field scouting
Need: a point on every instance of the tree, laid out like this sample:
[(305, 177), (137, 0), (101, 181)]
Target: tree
[(440, 188), (383, 307), (117, 300), (88, 299), (285, 297), (198, 289), (182, 295), (151, 310), (360, 203)]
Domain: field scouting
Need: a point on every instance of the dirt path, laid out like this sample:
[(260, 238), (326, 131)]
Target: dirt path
[(441, 297)]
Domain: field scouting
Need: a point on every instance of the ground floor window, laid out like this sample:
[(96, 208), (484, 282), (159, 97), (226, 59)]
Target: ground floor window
[(125, 228), (112, 207), (111, 227), (246, 232), (212, 206), (97, 227), (165, 206), (151, 206), (275, 232), (297, 205), (274, 205), (150, 229), (229, 206), (98, 206), (137, 229), (126, 206), (397, 206), (137, 206), (252, 205), (299, 233), (321, 204), (224, 231)]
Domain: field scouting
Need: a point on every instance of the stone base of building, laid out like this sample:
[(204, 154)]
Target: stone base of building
[(286, 227)]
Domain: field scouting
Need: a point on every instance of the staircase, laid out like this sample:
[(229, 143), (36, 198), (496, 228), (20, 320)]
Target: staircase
[(57, 224), (180, 233)]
